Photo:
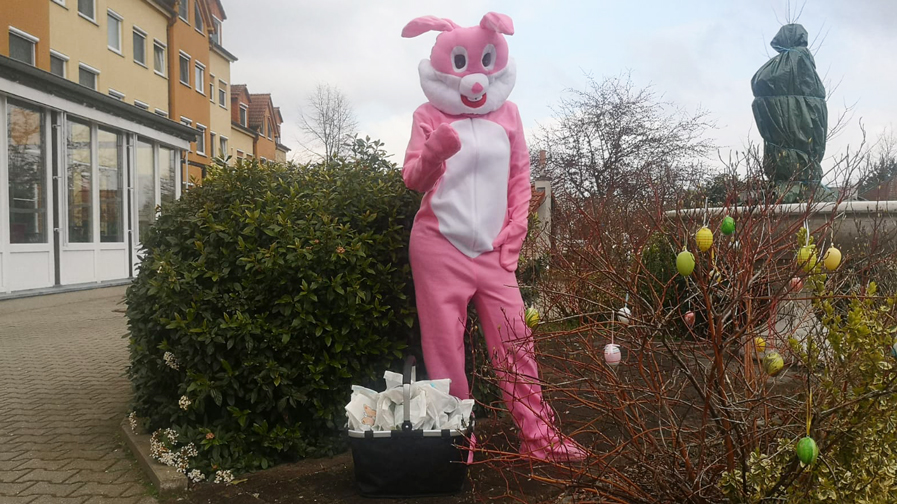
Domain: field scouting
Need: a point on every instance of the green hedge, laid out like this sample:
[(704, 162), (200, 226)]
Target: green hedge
[(270, 289)]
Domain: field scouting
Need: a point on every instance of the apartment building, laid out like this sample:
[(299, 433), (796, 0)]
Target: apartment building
[(256, 125), (110, 108)]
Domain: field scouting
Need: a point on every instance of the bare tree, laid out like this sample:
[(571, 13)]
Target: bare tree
[(614, 139), (327, 122)]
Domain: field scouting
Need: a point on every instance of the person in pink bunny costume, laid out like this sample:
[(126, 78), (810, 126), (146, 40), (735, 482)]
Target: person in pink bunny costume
[(469, 156)]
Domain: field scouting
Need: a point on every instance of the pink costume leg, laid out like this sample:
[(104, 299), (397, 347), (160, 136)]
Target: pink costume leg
[(443, 286), (500, 308)]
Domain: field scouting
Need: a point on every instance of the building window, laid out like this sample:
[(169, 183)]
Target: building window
[(212, 92), (167, 174), (140, 104), (185, 69), (222, 146), (212, 144), (78, 186), (113, 38), (118, 95), (58, 64), (87, 8), (183, 10), (146, 188), (197, 18), (111, 147), (186, 122), (216, 36), (222, 93), (21, 46), (243, 115), (201, 140), (199, 77), (87, 76), (240, 154), (27, 174), (269, 131), (160, 112), (159, 58), (139, 47)]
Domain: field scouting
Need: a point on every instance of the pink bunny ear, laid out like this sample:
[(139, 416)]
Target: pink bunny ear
[(499, 23), (424, 24)]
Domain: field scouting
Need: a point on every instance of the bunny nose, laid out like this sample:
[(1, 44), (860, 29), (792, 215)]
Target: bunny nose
[(477, 88)]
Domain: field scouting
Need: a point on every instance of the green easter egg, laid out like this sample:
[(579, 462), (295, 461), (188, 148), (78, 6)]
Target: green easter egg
[(807, 451), (531, 316), (806, 257), (685, 263), (727, 226), (773, 363)]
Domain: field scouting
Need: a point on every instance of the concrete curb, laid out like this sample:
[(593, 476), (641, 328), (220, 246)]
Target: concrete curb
[(167, 480)]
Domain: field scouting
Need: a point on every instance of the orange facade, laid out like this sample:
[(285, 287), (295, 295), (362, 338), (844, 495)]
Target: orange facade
[(32, 19), (188, 65)]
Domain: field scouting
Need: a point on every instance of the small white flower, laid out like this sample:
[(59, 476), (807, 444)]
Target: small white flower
[(224, 476), (184, 403), (170, 360), (190, 450), (132, 419), (196, 476)]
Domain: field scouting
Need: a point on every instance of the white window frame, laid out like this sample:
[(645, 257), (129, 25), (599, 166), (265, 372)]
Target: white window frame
[(223, 105), (185, 19), (59, 2), (186, 121), (141, 105), (164, 46), (240, 116), (65, 60), (116, 94), (211, 147), (223, 141), (137, 30), (202, 133), (160, 112), (91, 19), (217, 26), (199, 86), (121, 21), (212, 88), (94, 71), (198, 23), (30, 38), (240, 154), (182, 54)]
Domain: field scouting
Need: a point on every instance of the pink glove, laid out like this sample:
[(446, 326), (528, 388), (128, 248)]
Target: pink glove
[(442, 143)]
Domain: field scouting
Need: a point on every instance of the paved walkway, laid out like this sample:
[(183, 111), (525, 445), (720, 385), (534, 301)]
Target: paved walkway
[(63, 394)]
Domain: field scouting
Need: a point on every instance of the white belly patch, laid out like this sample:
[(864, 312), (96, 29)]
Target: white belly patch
[(472, 200)]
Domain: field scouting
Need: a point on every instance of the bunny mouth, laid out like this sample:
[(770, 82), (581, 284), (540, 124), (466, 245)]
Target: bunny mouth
[(479, 102)]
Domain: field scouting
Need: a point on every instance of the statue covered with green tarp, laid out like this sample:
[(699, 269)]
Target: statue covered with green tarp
[(792, 116)]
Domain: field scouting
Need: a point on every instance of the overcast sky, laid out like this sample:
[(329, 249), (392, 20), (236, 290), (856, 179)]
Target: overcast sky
[(697, 53)]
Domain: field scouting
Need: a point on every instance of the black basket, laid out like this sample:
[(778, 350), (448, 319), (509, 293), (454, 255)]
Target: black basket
[(409, 463)]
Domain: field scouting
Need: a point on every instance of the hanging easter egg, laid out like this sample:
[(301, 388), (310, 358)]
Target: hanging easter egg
[(623, 315), (807, 451), (704, 239), (831, 259), (685, 263), (796, 284), (689, 318), (531, 317), (612, 355), (773, 363), (727, 226), (806, 257), (760, 344)]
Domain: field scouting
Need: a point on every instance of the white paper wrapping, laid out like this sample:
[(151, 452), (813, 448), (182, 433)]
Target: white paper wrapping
[(431, 406)]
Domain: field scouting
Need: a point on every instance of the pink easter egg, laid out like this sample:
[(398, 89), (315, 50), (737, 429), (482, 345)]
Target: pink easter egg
[(612, 354), (689, 318), (796, 284)]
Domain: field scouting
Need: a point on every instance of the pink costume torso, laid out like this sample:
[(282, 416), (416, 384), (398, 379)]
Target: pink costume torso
[(480, 202)]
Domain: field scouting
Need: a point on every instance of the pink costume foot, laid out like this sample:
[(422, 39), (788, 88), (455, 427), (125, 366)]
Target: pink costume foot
[(563, 450)]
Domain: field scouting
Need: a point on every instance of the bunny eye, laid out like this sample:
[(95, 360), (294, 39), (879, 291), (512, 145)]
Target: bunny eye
[(459, 59), (489, 57)]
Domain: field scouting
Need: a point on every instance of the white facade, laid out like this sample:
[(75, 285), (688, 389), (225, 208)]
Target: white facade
[(78, 185)]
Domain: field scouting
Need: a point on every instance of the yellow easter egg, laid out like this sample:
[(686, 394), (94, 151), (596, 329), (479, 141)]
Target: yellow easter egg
[(531, 317), (773, 363), (704, 239), (760, 344), (806, 257), (832, 259)]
